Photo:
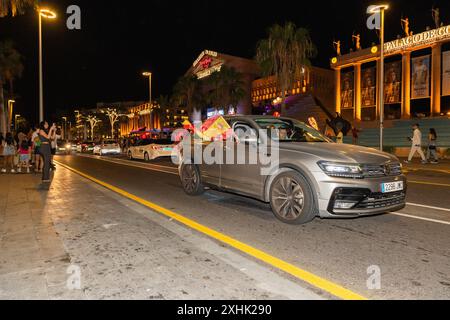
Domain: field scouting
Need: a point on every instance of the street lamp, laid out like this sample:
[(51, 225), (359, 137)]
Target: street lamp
[(380, 9), (10, 113), (65, 127), (149, 75), (47, 14), (15, 121)]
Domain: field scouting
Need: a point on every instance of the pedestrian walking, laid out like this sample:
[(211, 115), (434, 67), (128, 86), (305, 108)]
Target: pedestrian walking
[(45, 134), (9, 152), (416, 146), (432, 147)]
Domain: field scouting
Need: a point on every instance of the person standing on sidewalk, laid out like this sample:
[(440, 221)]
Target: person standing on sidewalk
[(432, 146), (416, 141), (24, 154), (45, 134), (9, 152)]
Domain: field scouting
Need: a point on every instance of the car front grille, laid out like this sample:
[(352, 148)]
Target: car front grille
[(381, 200), (386, 170)]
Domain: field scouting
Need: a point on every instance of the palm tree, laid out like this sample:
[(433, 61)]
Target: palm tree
[(186, 92), (226, 88), (11, 68), (232, 86), (14, 7), (283, 54)]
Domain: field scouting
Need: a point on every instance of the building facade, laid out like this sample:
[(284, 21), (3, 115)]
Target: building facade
[(416, 78)]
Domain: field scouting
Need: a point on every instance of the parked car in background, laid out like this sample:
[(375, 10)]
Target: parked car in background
[(107, 147), (150, 149), (313, 176), (63, 147)]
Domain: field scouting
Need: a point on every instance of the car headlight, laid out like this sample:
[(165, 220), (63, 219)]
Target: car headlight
[(341, 170), (68, 146)]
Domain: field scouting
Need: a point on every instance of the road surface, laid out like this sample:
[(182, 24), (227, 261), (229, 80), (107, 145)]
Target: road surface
[(411, 249)]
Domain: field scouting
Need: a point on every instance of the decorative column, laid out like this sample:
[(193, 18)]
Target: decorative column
[(337, 89), (357, 95), (436, 61), (406, 85)]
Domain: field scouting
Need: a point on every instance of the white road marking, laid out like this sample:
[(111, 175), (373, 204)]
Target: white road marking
[(420, 218), (428, 207)]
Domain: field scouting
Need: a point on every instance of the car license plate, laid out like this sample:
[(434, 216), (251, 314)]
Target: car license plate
[(392, 187), (168, 149)]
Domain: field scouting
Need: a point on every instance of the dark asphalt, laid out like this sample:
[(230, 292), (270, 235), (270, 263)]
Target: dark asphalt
[(413, 255)]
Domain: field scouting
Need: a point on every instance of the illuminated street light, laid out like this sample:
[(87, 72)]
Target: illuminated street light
[(46, 14), (15, 121), (149, 75), (375, 10), (10, 112)]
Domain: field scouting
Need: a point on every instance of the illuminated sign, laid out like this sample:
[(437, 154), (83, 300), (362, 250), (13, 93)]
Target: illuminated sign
[(206, 64), (419, 39), (205, 53)]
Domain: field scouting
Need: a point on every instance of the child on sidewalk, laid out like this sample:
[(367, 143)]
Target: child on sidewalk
[(24, 156)]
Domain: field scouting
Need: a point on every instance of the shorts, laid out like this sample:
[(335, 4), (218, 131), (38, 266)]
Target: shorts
[(24, 158), (9, 151), (37, 151), (53, 151)]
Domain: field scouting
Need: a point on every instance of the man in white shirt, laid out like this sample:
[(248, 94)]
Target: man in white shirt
[(416, 141)]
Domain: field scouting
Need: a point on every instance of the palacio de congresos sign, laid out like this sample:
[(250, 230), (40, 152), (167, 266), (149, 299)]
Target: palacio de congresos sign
[(418, 40)]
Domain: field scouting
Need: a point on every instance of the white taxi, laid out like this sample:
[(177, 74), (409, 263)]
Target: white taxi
[(150, 149)]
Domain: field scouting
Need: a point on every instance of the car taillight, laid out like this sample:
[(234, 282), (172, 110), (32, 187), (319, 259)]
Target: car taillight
[(156, 147)]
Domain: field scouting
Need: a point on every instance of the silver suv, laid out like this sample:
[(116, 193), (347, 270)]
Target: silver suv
[(310, 175)]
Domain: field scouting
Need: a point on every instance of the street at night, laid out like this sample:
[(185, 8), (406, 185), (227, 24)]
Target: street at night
[(339, 250), (225, 159)]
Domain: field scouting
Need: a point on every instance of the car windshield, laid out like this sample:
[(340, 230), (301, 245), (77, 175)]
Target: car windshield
[(287, 130), (109, 142)]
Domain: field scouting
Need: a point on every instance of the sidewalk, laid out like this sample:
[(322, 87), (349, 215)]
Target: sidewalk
[(120, 250), (443, 165)]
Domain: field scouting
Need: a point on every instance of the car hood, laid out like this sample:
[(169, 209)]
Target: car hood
[(339, 152)]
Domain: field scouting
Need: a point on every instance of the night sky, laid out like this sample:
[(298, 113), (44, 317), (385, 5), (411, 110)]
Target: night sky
[(119, 39)]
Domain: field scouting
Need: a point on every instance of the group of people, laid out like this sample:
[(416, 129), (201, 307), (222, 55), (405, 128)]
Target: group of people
[(416, 147), (36, 149)]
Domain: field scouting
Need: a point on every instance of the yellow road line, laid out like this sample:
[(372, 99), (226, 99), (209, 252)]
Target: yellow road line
[(316, 281), (430, 183)]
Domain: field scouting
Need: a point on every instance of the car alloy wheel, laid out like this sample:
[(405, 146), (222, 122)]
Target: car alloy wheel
[(291, 199), (191, 180)]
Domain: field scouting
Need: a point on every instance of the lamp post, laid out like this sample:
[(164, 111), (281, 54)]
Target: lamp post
[(380, 10), (10, 113), (47, 14), (149, 75), (15, 121), (65, 127)]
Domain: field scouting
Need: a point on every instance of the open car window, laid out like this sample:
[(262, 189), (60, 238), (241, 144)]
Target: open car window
[(286, 130)]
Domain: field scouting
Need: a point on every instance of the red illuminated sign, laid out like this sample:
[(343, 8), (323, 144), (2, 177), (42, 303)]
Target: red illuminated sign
[(206, 62)]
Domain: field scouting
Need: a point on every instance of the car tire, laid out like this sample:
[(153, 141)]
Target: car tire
[(191, 180), (146, 157), (130, 155), (292, 199)]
